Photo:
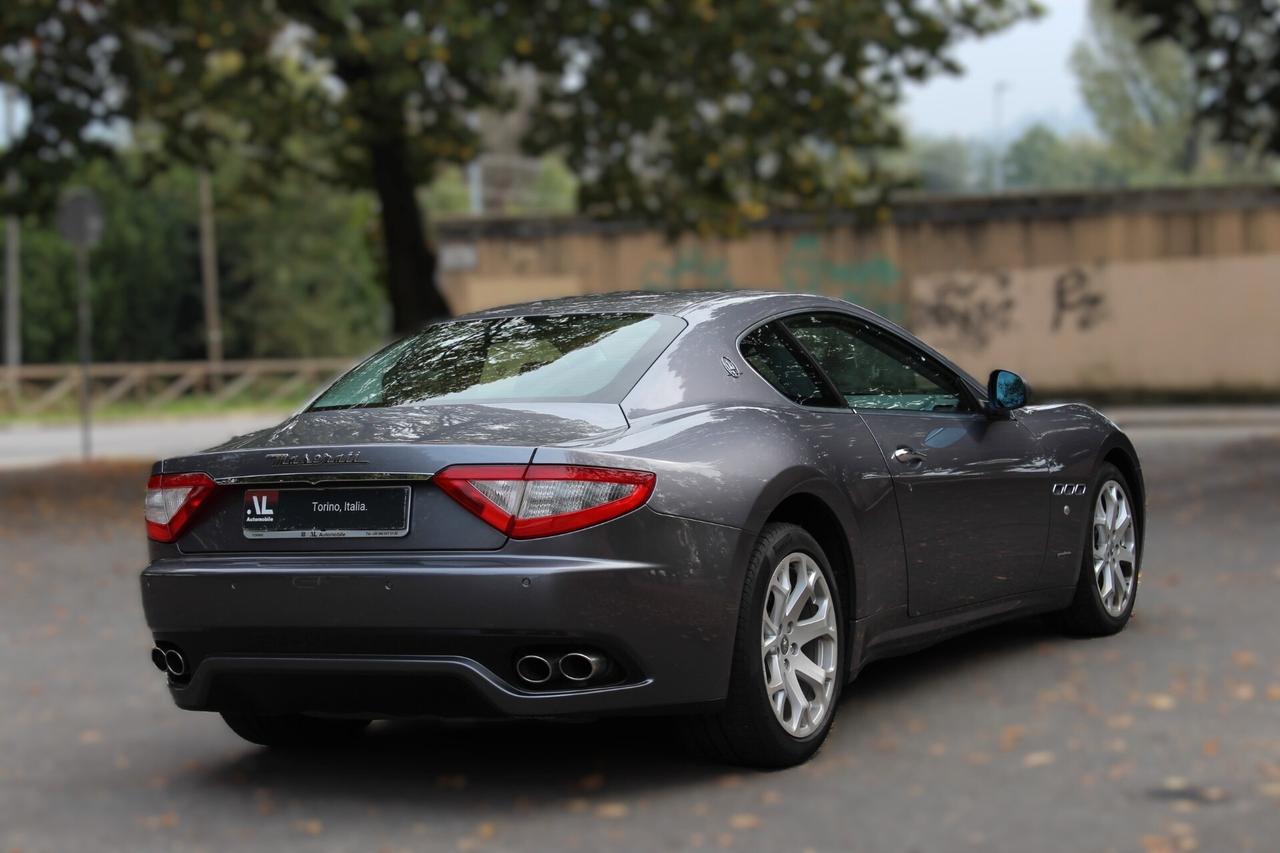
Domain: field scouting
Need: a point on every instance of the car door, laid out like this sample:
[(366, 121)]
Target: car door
[(972, 489)]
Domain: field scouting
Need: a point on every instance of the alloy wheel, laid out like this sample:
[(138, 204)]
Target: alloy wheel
[(1115, 552), (799, 645)]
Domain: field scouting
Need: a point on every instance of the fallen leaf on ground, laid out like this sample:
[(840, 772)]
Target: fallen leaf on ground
[(1038, 759), (1010, 737), (168, 820), (309, 826), (612, 810)]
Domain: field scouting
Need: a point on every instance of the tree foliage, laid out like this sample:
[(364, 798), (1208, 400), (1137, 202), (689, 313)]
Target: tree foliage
[(1234, 49), (298, 272), (1042, 159), (693, 113), (1142, 97)]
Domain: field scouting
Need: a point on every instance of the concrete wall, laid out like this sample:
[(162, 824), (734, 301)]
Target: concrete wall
[(1164, 291)]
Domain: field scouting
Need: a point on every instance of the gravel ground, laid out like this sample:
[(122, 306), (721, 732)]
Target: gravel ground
[(1166, 737)]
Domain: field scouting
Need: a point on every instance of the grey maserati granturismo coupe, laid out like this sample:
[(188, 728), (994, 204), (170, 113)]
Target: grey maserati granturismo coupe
[(717, 505)]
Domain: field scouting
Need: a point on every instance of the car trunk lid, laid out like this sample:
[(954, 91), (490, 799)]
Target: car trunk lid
[(327, 461)]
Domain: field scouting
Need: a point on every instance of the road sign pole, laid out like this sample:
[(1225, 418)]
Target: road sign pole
[(12, 267), (86, 352), (80, 223)]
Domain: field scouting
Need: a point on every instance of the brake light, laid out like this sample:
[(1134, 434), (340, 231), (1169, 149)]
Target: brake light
[(172, 500), (526, 502)]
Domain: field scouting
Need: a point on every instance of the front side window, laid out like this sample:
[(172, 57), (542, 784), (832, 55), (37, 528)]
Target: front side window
[(567, 357), (874, 370), (785, 368)]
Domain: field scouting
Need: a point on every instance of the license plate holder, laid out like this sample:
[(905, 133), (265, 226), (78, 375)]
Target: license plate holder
[(348, 512)]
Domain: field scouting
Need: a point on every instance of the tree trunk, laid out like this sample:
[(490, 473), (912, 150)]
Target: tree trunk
[(411, 262)]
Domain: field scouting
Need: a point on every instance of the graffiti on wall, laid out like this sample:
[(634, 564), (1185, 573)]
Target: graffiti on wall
[(1077, 301), (968, 310), (806, 268)]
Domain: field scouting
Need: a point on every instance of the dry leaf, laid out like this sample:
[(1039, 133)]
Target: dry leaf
[(310, 826), (1010, 737), (612, 810), (1038, 759)]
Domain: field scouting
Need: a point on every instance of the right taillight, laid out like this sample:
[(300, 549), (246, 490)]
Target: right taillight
[(528, 501), (172, 500)]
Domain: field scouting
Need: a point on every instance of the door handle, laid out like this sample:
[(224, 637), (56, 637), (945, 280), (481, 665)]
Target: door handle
[(907, 456)]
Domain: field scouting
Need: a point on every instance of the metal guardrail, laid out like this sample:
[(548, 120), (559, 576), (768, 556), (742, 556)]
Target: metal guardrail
[(39, 388)]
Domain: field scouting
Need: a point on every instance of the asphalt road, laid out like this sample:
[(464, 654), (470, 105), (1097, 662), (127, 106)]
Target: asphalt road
[(1166, 737)]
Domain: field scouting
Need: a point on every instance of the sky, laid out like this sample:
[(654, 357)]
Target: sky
[(1031, 59)]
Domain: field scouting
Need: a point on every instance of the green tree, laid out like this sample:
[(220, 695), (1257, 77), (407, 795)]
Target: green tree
[(1041, 159), (1234, 52), (692, 113), (298, 273), (1142, 97)]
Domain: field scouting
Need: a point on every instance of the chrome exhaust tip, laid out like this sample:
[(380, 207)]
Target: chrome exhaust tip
[(174, 663), (534, 669), (157, 659), (581, 666)]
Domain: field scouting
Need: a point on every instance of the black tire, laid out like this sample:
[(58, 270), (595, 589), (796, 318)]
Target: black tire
[(1086, 616), (746, 732), (293, 731)]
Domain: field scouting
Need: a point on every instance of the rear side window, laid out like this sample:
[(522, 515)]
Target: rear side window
[(874, 370), (782, 365), (567, 357)]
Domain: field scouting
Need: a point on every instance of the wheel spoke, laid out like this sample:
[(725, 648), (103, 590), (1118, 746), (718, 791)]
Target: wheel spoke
[(773, 675), (1121, 584), (800, 595), (1107, 584), (814, 627), (797, 697), (1126, 553), (803, 666), (1099, 541)]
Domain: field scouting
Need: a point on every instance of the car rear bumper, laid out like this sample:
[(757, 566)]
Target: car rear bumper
[(402, 634)]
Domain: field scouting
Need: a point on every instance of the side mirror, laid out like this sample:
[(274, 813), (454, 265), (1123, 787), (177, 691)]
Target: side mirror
[(1006, 391)]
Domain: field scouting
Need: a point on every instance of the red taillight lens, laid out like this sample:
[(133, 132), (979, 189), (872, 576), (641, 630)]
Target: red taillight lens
[(172, 500), (526, 502)]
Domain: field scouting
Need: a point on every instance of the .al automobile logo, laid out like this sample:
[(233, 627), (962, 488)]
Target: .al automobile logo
[(351, 457), (259, 506)]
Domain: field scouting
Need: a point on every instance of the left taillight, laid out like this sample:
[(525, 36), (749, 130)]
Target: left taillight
[(526, 502), (172, 500)]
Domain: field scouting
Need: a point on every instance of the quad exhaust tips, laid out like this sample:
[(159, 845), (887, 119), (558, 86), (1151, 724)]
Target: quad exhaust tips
[(581, 666), (170, 661)]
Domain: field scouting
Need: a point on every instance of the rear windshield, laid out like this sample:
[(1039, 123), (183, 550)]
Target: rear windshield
[(568, 357)]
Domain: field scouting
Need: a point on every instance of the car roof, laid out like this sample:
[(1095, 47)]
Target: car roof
[(675, 302)]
